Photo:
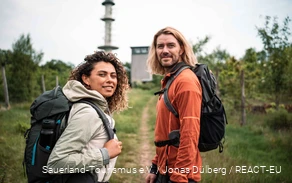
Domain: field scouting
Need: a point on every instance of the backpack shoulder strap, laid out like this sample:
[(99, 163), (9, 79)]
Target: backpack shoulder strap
[(165, 91), (103, 117)]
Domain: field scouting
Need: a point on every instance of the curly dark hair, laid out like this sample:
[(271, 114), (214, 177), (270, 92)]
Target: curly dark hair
[(119, 100)]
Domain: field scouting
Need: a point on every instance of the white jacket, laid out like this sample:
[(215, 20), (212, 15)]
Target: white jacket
[(78, 148)]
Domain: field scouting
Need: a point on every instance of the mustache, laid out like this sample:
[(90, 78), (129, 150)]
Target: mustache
[(165, 55)]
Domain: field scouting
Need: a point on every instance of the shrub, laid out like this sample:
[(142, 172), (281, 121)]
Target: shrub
[(146, 86), (280, 120), (22, 127)]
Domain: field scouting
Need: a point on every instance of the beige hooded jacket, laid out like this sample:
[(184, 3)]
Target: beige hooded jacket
[(79, 147)]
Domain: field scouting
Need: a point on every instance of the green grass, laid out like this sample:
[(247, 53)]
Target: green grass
[(248, 146), (12, 143), (127, 125)]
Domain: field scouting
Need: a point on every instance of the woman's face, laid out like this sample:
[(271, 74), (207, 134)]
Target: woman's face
[(103, 78)]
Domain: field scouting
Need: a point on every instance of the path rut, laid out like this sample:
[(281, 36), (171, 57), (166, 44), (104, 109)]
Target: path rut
[(145, 146)]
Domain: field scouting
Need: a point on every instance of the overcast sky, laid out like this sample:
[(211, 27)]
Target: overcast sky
[(69, 30)]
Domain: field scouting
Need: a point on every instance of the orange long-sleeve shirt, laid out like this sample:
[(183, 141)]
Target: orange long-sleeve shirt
[(184, 162)]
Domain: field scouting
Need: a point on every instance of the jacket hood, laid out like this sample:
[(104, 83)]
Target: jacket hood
[(75, 91)]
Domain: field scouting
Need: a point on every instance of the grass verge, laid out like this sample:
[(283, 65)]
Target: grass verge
[(249, 151)]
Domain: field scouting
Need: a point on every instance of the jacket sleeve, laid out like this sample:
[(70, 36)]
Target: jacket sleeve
[(188, 102), (154, 160), (83, 124)]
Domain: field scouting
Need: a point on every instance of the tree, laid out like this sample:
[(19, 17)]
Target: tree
[(230, 79), (198, 47), (288, 72), (55, 70), (127, 67), (276, 41), (23, 70), (249, 79), (215, 60), (251, 64)]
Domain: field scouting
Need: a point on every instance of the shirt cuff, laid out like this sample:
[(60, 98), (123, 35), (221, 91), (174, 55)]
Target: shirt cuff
[(105, 156), (153, 169)]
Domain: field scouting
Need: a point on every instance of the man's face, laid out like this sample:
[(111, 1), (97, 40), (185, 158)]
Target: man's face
[(168, 50)]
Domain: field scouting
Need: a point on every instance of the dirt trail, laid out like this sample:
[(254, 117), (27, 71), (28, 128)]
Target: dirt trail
[(145, 146)]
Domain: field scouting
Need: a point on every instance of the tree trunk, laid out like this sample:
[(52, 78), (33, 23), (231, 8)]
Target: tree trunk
[(243, 113), (43, 83), (277, 100), (6, 95)]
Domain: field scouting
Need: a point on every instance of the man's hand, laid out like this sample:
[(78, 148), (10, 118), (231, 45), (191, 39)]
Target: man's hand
[(151, 178)]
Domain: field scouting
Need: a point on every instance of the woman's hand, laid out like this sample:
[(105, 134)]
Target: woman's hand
[(114, 147)]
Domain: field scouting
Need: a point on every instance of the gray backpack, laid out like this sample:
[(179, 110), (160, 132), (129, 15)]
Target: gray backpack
[(49, 115), (213, 117)]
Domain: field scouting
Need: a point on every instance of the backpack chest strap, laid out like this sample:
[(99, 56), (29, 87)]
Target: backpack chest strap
[(165, 93)]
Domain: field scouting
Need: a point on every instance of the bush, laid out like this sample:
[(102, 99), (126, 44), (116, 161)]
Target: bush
[(280, 120), (145, 86), (22, 127)]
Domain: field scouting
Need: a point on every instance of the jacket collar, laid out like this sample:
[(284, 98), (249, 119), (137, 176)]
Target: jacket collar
[(175, 68)]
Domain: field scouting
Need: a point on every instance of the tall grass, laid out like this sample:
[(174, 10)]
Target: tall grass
[(12, 143), (252, 153), (247, 149)]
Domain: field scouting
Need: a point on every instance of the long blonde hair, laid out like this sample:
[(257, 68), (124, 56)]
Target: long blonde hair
[(188, 56)]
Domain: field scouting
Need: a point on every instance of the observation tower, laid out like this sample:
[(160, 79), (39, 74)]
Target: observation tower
[(108, 19)]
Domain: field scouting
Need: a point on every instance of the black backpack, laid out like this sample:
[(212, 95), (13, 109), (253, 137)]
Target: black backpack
[(213, 117), (49, 115)]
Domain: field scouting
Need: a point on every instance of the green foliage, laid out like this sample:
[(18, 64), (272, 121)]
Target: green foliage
[(58, 65), (276, 40), (153, 85), (22, 69), (157, 80), (288, 73), (52, 70), (127, 67), (22, 127), (21, 77), (254, 144), (216, 62), (230, 82), (12, 142), (24, 74), (198, 48), (252, 71), (280, 120), (144, 86), (4, 57), (24, 46)]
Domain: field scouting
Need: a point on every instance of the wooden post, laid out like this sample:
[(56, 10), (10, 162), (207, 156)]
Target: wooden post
[(6, 95), (217, 80), (57, 81), (243, 112), (43, 83)]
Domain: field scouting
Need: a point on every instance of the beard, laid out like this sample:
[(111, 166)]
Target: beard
[(169, 63)]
